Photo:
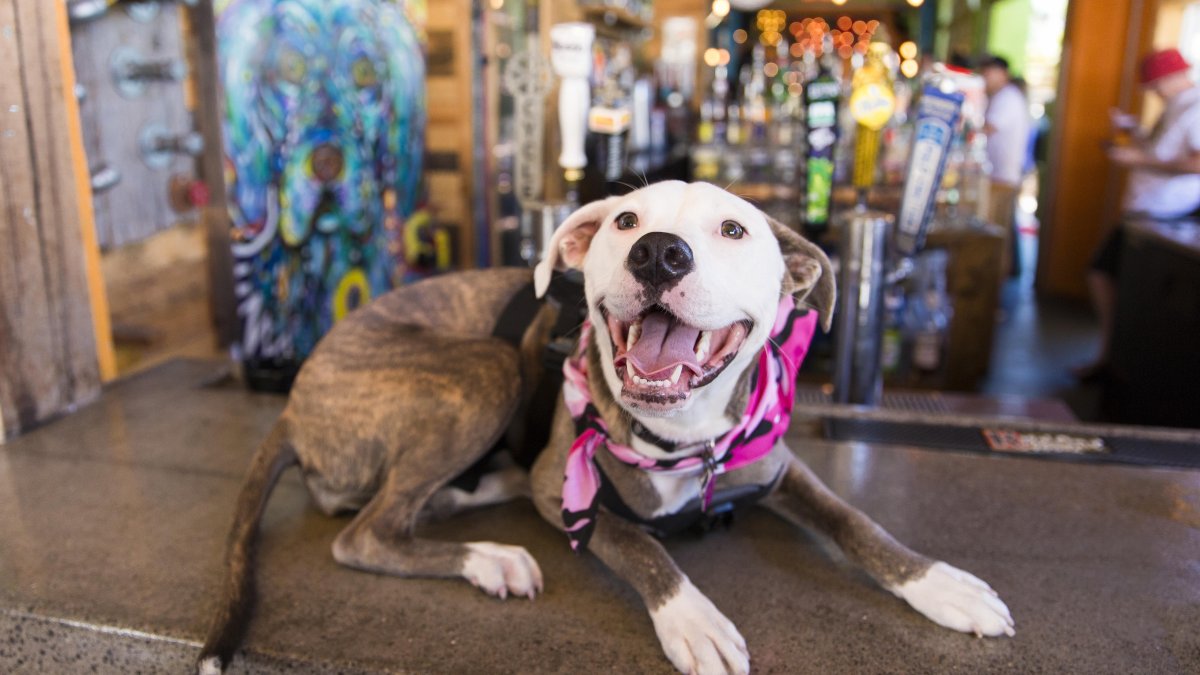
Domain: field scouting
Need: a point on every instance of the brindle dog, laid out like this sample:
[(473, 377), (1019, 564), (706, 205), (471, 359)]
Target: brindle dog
[(376, 418)]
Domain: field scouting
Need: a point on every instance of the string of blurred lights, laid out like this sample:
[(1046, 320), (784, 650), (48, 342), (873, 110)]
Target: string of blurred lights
[(846, 37)]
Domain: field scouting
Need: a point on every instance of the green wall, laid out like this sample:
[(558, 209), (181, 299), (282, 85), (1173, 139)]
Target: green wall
[(1008, 31)]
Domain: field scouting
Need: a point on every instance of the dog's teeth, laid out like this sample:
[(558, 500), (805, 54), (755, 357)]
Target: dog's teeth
[(635, 330), (676, 373), (629, 369), (637, 379), (702, 345)]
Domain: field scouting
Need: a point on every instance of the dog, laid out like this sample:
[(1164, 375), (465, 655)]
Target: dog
[(674, 401)]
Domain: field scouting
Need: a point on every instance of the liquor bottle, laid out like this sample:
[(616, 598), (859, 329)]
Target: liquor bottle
[(733, 126), (821, 97), (927, 318), (754, 99), (892, 348)]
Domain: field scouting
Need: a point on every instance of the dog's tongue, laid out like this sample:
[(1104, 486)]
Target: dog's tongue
[(664, 344)]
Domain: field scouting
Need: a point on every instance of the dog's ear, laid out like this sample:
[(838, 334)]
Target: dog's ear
[(808, 273), (570, 243)]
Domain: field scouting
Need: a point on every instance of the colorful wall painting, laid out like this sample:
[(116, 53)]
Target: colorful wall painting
[(324, 123)]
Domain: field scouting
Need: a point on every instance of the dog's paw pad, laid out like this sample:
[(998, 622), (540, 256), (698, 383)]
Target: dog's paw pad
[(501, 570), (959, 600), (696, 637)]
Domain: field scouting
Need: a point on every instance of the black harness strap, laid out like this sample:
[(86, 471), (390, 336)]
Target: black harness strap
[(565, 291), (691, 518), (517, 316)]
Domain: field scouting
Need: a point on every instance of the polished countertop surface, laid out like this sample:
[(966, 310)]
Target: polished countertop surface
[(113, 520)]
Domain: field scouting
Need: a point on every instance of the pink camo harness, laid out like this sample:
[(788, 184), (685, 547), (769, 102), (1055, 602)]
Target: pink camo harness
[(768, 413)]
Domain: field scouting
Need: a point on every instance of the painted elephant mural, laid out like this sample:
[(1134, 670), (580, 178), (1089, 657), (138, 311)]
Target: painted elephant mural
[(324, 122)]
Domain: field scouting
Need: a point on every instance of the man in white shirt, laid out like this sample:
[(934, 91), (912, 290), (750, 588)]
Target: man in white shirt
[(1007, 124), (1164, 164), (1164, 178)]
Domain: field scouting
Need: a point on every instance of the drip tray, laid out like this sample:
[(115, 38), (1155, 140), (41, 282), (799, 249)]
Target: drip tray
[(1009, 441)]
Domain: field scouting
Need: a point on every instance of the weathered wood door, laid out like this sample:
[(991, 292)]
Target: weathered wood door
[(137, 128), (48, 360)]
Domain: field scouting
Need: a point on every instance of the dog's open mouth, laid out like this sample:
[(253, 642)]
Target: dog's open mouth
[(661, 359)]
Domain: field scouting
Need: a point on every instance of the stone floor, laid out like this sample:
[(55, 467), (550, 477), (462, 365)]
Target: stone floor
[(112, 523), (1038, 340)]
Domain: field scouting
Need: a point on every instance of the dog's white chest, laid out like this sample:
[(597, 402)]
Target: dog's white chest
[(675, 491), (675, 488)]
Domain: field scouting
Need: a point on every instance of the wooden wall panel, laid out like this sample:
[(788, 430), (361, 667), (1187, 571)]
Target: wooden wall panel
[(446, 136), (48, 359), (449, 86)]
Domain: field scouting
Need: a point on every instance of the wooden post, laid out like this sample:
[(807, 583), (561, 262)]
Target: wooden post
[(1101, 47), (201, 37), (50, 315)]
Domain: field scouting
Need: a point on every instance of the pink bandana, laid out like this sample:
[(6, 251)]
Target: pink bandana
[(765, 420)]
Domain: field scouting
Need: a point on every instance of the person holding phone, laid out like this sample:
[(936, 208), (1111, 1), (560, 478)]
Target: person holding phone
[(1164, 178)]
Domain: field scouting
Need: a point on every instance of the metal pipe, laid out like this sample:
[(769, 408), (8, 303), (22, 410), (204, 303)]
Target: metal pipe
[(858, 376)]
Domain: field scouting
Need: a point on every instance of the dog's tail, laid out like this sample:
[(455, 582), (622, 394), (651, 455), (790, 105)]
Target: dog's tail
[(237, 592)]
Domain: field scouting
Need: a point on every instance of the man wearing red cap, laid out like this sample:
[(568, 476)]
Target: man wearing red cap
[(1164, 177)]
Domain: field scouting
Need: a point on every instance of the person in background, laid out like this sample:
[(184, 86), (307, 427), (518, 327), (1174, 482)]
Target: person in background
[(1164, 178), (1006, 124)]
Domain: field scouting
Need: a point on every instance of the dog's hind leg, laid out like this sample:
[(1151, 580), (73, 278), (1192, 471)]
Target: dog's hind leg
[(380, 539), (503, 484), (944, 594)]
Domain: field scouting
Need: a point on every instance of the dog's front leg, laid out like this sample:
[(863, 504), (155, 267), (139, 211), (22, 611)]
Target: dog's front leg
[(694, 634), (946, 595)]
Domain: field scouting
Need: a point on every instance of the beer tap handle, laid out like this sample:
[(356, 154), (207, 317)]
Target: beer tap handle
[(571, 58), (938, 113)]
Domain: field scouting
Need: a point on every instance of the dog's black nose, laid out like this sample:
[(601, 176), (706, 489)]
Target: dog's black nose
[(659, 258), (327, 162)]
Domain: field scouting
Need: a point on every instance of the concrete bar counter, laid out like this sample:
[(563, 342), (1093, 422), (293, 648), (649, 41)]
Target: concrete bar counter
[(113, 521)]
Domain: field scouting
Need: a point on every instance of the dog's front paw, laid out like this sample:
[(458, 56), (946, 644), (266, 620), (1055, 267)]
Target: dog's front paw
[(696, 637), (500, 570), (956, 599)]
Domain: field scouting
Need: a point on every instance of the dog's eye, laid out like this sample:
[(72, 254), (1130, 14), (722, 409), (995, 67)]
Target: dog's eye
[(292, 67), (626, 221), (364, 73), (732, 230)]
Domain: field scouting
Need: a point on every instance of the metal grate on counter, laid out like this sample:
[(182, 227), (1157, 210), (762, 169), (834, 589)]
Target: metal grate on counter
[(908, 401), (1123, 450)]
